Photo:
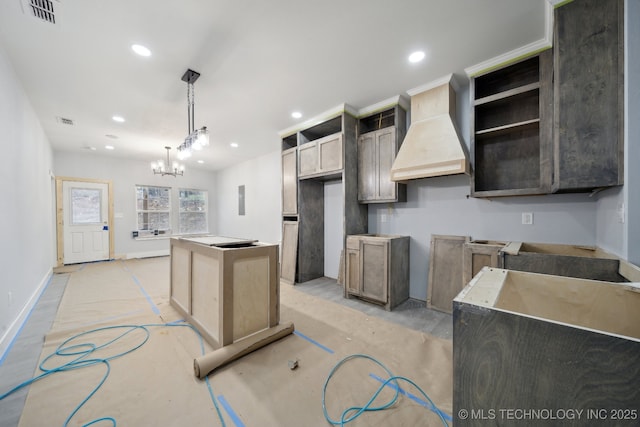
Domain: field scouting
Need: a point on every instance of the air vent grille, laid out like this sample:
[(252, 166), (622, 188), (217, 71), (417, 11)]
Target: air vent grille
[(44, 10), (65, 121)]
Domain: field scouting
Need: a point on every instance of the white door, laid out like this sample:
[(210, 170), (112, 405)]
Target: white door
[(85, 221)]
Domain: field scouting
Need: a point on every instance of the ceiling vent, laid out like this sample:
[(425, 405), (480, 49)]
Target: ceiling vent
[(64, 121), (42, 10)]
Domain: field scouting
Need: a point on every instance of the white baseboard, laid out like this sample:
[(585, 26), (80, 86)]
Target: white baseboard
[(14, 329), (148, 254)]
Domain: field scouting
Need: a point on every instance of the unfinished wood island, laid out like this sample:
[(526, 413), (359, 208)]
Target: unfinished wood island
[(227, 288)]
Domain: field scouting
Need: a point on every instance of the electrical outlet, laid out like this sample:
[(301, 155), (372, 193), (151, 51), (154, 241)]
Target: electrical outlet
[(527, 218), (620, 213), (383, 217)]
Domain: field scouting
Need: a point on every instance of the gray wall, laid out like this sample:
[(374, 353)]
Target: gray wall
[(632, 129), (125, 174), (261, 178), (27, 254), (440, 206)]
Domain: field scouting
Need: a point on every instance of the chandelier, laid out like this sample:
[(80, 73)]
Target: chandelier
[(173, 169), (196, 138)]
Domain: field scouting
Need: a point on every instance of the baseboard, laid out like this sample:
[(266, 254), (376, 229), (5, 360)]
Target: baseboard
[(12, 333), (148, 254)]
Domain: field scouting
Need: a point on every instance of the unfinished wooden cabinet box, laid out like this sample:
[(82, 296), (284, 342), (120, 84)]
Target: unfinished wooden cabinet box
[(377, 268), (540, 342), (478, 254), (583, 262), (227, 288)]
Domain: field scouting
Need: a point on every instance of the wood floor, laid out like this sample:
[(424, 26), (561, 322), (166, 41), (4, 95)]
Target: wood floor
[(21, 360)]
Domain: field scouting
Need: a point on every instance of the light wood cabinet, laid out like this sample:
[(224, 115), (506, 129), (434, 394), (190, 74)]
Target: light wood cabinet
[(320, 157), (380, 136), (289, 182), (377, 268), (478, 254), (376, 152), (227, 288), (325, 151)]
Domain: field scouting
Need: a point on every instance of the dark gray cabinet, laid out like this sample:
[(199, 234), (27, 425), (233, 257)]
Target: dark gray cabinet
[(554, 122), (588, 95), (377, 268), (511, 141)]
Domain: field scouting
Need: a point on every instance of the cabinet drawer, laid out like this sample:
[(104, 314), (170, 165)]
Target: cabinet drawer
[(353, 243)]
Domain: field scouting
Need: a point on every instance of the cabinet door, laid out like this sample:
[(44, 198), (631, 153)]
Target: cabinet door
[(367, 169), (289, 252), (330, 153), (289, 182), (386, 149), (588, 93), (353, 271), (374, 269), (307, 159)]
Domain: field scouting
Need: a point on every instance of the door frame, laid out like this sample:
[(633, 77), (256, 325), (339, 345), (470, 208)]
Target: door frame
[(60, 214)]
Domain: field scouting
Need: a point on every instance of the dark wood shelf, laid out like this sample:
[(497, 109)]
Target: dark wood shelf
[(507, 94), (500, 130)]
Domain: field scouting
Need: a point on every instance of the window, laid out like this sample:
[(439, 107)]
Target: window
[(153, 206), (193, 211), (86, 206)]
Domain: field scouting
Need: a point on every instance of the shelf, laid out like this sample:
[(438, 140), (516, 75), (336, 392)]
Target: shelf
[(508, 93), (500, 130)]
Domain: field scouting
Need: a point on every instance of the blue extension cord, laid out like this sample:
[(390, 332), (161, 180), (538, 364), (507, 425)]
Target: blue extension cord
[(81, 358), (354, 412)]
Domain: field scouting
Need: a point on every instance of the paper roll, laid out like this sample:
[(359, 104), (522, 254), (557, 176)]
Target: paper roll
[(204, 365)]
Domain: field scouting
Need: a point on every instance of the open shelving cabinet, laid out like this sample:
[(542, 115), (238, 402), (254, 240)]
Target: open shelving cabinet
[(512, 121)]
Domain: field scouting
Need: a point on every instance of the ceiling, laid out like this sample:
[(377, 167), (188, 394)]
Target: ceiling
[(259, 61)]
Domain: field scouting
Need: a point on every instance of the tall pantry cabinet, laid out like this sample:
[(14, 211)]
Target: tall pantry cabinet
[(323, 152)]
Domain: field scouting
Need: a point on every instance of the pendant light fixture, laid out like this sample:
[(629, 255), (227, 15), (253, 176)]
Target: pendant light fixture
[(196, 138), (173, 169)]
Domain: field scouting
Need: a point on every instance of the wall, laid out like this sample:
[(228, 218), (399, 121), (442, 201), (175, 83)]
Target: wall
[(263, 206), (632, 130), (440, 206), (125, 174), (27, 254)]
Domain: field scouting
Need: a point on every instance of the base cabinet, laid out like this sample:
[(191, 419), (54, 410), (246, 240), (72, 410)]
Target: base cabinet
[(377, 268)]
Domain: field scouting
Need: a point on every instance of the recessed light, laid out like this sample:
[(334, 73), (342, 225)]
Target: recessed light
[(141, 50), (201, 161), (118, 119), (416, 56), (296, 114), (111, 136), (109, 147), (234, 144)]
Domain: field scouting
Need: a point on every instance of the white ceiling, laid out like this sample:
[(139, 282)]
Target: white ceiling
[(259, 61)]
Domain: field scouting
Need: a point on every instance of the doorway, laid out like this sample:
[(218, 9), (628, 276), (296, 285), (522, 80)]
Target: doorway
[(84, 219)]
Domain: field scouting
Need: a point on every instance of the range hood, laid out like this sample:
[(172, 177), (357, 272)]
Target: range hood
[(432, 146)]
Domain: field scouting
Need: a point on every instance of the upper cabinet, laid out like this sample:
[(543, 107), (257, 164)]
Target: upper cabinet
[(381, 135), (511, 129), (553, 122), (589, 95), (320, 150)]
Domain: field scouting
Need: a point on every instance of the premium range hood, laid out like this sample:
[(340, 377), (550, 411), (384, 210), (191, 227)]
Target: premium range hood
[(432, 146)]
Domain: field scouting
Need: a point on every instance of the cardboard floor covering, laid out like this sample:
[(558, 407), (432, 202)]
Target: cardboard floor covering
[(155, 384)]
